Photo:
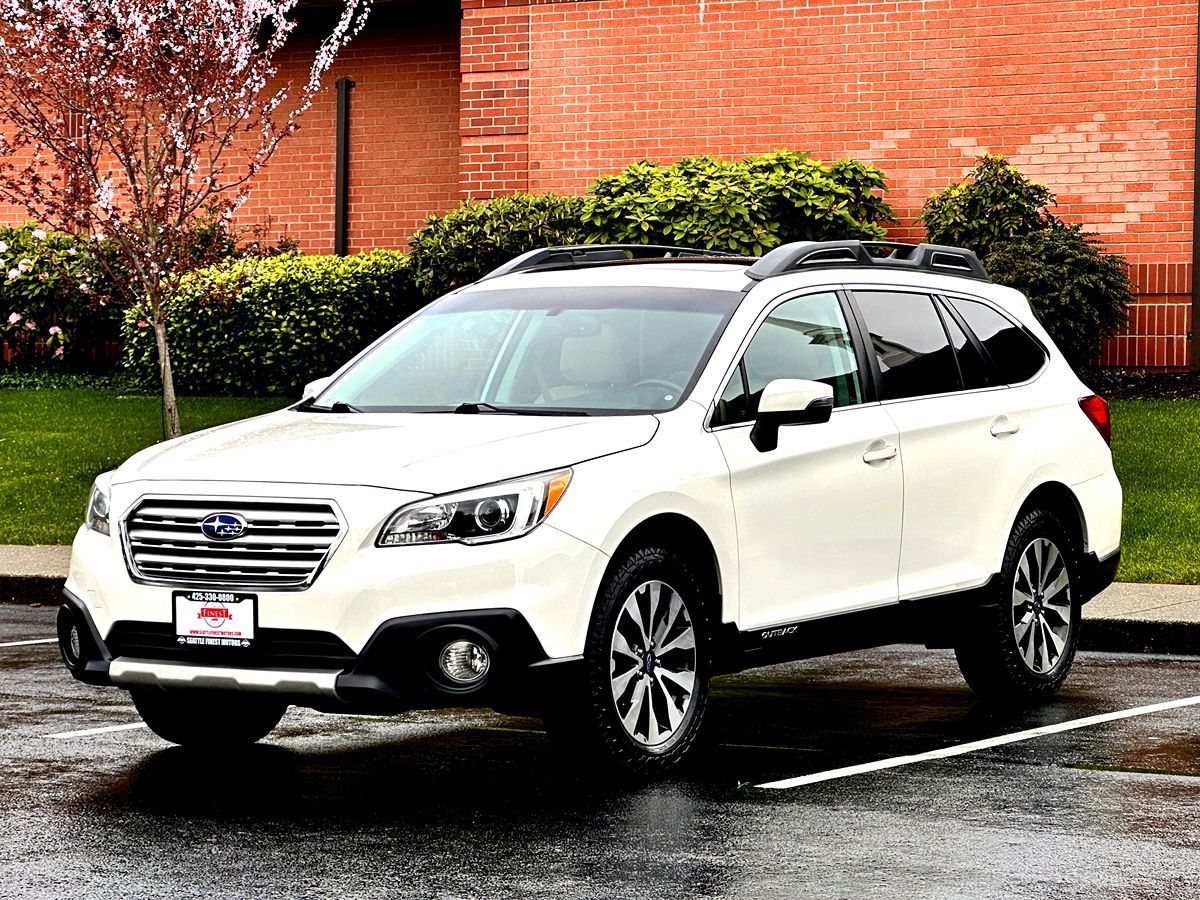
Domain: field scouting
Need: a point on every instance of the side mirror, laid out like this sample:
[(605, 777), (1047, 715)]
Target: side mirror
[(789, 401), (315, 387)]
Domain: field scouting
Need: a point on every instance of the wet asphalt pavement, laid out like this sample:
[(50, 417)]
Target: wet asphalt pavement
[(472, 804)]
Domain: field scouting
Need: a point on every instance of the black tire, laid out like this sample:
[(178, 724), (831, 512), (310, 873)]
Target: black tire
[(208, 719), (997, 664), (590, 718)]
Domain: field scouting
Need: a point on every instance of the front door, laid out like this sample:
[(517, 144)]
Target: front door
[(819, 517)]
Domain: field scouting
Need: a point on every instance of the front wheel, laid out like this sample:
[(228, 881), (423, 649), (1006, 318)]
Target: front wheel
[(1020, 647), (208, 719), (646, 666)]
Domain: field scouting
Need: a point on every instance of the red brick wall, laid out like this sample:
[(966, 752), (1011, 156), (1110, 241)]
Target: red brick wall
[(494, 115), (1094, 97), (1158, 322), (404, 142)]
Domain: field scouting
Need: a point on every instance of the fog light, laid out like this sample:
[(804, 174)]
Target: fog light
[(464, 662)]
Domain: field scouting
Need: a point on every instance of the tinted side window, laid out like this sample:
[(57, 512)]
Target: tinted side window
[(910, 343), (975, 371), (1016, 355), (802, 338)]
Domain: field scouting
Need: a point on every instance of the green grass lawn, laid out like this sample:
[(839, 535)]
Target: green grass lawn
[(54, 442), (1156, 444)]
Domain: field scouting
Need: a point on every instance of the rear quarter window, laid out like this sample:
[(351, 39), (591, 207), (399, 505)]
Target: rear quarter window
[(910, 343), (1014, 352)]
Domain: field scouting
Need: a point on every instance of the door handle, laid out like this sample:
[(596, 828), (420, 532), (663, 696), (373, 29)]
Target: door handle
[(1004, 426), (881, 454)]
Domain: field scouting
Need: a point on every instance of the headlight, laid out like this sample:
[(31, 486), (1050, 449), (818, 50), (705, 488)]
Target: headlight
[(491, 513), (97, 511)]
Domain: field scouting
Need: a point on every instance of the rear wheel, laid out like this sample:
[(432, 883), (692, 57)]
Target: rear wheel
[(646, 667), (208, 719), (1021, 646)]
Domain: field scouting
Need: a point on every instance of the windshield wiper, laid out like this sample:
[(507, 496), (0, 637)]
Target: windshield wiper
[(338, 406), (482, 406)]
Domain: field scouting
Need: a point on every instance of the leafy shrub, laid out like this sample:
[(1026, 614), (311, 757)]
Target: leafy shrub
[(996, 204), (268, 326), (1077, 290), (47, 299), (745, 206), (471, 240)]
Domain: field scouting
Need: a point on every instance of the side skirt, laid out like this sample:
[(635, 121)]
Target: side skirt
[(932, 621)]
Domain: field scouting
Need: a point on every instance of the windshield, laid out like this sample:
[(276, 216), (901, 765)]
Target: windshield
[(584, 350)]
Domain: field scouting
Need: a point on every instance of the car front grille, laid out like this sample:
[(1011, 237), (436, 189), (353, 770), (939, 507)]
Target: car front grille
[(283, 547)]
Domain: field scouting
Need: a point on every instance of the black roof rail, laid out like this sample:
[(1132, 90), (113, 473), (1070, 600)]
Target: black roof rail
[(566, 257), (882, 254)]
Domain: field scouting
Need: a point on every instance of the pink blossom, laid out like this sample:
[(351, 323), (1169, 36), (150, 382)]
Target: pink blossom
[(31, 325), (142, 323), (43, 276), (14, 318), (54, 329), (58, 351), (38, 235)]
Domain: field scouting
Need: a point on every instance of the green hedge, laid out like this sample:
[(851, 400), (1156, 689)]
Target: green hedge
[(996, 204), (268, 326), (746, 206), (1078, 291), (476, 237)]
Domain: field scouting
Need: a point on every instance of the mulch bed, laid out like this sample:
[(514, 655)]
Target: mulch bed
[(1133, 384)]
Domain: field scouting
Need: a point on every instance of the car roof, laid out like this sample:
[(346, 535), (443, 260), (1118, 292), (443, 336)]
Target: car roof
[(676, 273), (710, 275)]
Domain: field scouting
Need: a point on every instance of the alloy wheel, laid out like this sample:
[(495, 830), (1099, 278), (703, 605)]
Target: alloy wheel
[(1041, 606), (653, 663)]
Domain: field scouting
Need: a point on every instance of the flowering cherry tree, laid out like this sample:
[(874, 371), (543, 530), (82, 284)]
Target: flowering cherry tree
[(133, 120)]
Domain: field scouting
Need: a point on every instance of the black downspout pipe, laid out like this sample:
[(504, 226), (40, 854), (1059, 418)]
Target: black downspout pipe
[(341, 173), (1194, 334)]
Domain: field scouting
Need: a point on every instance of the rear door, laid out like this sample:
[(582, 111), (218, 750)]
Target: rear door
[(818, 517), (963, 435)]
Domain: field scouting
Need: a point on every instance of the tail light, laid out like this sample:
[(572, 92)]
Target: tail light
[(1095, 408)]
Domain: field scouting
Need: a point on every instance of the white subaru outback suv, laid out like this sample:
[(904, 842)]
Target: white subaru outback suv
[(589, 482)]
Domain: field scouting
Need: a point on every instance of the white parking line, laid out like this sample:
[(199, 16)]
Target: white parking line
[(105, 730), (26, 643), (960, 749)]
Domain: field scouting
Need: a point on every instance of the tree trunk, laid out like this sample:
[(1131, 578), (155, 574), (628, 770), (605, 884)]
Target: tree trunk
[(170, 409)]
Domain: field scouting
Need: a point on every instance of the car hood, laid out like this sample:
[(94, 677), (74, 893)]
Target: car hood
[(424, 452)]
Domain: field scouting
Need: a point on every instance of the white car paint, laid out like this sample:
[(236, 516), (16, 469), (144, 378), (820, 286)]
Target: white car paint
[(885, 501)]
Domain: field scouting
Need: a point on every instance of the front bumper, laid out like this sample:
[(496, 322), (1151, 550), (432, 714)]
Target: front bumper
[(360, 627), (396, 670)]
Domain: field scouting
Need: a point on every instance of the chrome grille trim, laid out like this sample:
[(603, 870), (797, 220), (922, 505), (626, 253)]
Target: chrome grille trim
[(286, 544)]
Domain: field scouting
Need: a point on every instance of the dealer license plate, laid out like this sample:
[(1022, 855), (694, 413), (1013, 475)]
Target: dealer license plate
[(215, 618)]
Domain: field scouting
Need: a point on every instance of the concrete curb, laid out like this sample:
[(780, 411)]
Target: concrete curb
[(22, 590), (1141, 636)]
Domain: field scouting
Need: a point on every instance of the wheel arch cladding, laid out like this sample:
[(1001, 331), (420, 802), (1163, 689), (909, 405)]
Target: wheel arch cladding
[(1058, 499), (686, 537)]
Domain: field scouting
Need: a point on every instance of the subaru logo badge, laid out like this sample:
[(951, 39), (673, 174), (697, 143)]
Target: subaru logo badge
[(223, 526)]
